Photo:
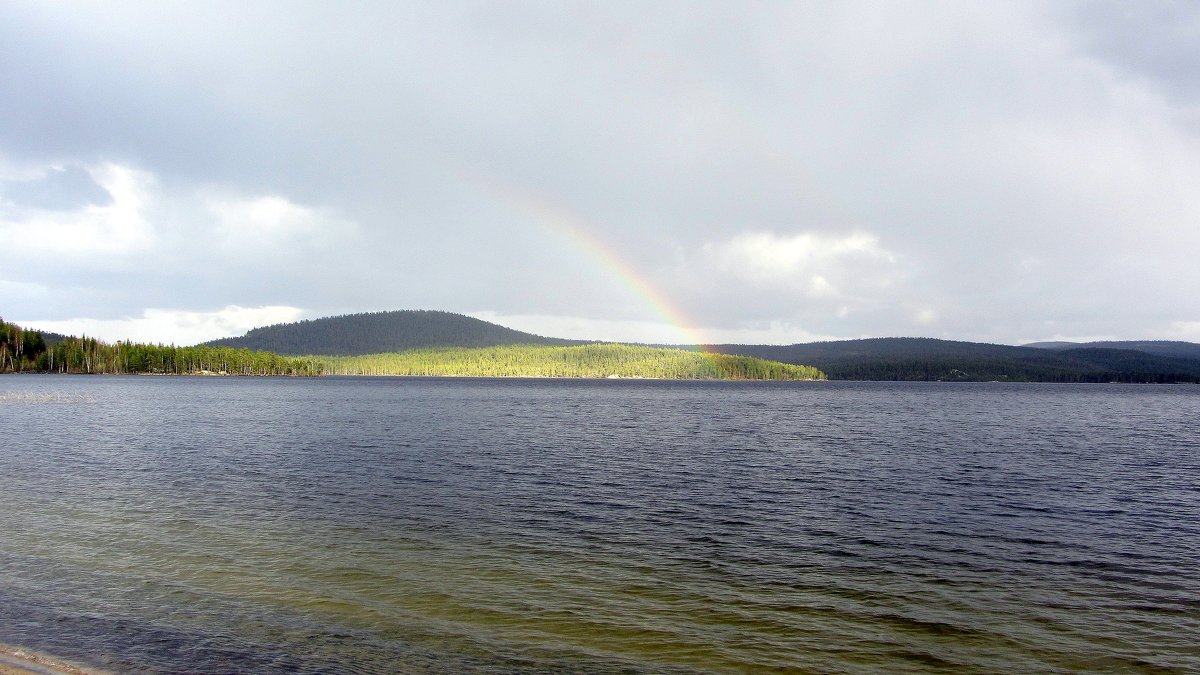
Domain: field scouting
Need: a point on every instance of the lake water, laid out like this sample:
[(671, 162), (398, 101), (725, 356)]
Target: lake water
[(366, 525)]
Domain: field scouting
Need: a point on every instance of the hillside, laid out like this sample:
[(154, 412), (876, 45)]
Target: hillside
[(1168, 348), (930, 359), (379, 332), (586, 361)]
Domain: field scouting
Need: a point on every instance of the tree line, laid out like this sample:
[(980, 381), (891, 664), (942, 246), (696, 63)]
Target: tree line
[(23, 350)]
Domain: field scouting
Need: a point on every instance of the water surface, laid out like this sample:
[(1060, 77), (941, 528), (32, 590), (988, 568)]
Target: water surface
[(373, 525)]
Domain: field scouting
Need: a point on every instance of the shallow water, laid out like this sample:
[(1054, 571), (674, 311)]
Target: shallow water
[(375, 525)]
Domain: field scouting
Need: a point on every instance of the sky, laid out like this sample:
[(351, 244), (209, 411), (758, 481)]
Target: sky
[(658, 172)]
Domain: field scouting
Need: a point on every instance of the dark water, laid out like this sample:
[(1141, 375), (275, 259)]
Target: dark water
[(383, 525)]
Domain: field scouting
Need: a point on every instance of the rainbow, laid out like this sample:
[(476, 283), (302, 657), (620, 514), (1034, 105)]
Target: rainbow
[(576, 230)]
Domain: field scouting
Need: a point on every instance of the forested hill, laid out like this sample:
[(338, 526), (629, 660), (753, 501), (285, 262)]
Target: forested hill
[(1169, 348), (378, 332), (932, 360)]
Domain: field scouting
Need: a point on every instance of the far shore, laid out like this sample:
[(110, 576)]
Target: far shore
[(209, 373)]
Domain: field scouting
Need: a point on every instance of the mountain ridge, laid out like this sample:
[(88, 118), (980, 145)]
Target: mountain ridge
[(380, 332), (1170, 348), (932, 359), (889, 358)]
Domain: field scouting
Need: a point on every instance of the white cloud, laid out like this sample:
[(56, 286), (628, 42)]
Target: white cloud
[(926, 316), (10, 171), (168, 243), (1188, 331), (1058, 337), (173, 326), (651, 332), (115, 230), (12, 288), (145, 222), (261, 226), (812, 263)]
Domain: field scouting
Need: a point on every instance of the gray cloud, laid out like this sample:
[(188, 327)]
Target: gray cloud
[(1024, 171), (63, 188), (1158, 41)]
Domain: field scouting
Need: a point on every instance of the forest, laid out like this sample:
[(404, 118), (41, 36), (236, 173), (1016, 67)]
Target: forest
[(929, 359), (28, 351), (596, 360)]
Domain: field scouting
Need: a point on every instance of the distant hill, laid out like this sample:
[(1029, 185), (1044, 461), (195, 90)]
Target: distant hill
[(1169, 348), (926, 359), (52, 339), (378, 332), (932, 360)]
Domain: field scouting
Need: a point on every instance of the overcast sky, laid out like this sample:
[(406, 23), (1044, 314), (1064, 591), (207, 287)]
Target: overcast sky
[(662, 172)]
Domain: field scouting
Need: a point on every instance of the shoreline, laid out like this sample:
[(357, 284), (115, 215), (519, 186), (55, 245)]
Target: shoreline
[(435, 377), (20, 661)]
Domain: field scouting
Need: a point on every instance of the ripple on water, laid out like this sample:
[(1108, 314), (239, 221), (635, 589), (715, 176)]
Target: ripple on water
[(374, 525)]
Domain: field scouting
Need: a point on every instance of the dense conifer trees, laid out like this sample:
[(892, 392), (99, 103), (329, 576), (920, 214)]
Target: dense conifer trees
[(26, 351), (928, 359)]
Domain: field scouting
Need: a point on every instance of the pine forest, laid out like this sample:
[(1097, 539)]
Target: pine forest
[(27, 351)]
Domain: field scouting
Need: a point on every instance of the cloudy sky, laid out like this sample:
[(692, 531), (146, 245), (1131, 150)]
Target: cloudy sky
[(666, 172)]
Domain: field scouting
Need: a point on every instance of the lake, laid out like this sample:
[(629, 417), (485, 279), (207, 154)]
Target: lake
[(367, 525)]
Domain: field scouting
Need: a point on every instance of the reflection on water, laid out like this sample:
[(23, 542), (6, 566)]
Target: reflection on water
[(370, 525)]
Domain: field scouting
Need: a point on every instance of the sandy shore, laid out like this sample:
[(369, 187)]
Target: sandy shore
[(17, 661)]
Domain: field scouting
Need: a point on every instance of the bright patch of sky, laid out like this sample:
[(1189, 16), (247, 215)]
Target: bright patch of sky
[(186, 327)]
